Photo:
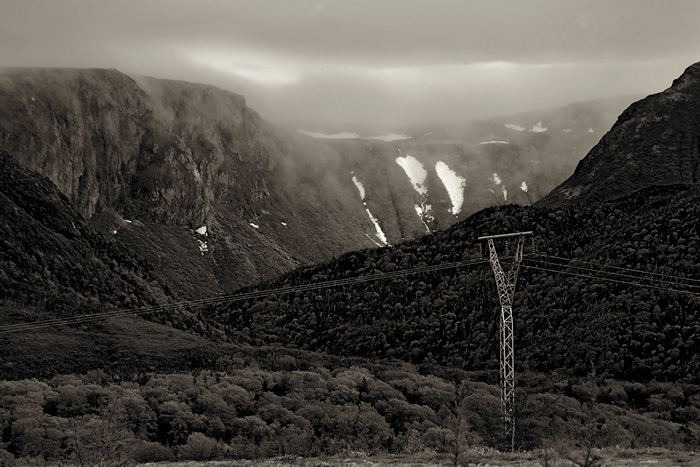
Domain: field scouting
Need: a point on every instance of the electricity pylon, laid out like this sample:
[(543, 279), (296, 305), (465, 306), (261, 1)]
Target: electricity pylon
[(505, 283)]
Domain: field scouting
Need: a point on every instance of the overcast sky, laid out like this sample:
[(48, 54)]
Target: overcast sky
[(378, 61)]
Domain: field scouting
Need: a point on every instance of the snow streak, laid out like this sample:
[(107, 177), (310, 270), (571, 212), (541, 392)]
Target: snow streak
[(359, 186), (417, 174), (454, 184)]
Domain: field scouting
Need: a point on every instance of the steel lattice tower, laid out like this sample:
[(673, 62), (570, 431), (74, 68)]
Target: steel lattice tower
[(505, 283)]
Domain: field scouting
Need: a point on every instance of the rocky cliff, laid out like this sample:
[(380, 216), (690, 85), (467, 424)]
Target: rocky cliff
[(214, 197), (653, 142)]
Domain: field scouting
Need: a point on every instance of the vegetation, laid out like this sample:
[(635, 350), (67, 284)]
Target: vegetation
[(599, 363), (578, 326), (302, 407)]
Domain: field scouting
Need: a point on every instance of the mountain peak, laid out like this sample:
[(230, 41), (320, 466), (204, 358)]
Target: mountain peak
[(653, 142)]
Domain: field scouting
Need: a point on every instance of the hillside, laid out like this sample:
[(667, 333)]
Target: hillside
[(395, 366), (449, 317), (53, 257), (606, 326), (653, 142), (214, 197)]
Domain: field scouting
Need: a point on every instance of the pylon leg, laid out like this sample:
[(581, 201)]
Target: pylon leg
[(507, 364)]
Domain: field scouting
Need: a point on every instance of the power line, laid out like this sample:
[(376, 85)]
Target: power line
[(236, 297), (540, 264), (588, 276), (651, 282), (663, 277)]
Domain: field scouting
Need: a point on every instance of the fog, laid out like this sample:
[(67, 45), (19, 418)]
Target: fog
[(332, 65)]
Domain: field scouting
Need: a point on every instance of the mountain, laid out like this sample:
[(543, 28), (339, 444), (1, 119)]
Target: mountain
[(52, 255), (653, 142), (607, 313), (189, 178)]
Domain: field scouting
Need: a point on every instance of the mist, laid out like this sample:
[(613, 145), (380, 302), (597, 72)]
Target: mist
[(328, 65)]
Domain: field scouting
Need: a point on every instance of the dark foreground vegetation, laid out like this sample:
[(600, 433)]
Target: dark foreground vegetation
[(304, 405)]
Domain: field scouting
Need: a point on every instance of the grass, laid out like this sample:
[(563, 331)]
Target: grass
[(610, 457)]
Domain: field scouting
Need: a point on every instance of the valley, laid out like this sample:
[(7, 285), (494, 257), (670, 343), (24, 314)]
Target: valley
[(221, 292)]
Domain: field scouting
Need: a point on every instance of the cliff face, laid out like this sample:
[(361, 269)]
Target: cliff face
[(653, 142), (51, 256), (177, 157), (190, 178)]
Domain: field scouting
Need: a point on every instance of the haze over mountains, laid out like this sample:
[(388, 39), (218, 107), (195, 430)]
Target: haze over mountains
[(188, 171), (188, 192)]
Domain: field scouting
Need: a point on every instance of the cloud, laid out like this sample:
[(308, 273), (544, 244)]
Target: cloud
[(390, 62), (259, 68)]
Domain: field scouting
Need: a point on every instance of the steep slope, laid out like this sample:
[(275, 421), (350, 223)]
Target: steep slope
[(190, 178), (654, 142), (177, 157), (56, 266), (52, 257), (574, 322)]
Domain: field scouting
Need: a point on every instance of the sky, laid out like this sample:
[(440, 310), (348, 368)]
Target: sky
[(382, 63)]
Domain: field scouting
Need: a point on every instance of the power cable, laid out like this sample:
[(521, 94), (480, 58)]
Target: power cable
[(236, 297)]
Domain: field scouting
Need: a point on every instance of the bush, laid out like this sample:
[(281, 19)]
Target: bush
[(200, 447), (146, 451)]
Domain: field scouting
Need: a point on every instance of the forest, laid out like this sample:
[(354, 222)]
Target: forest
[(400, 364)]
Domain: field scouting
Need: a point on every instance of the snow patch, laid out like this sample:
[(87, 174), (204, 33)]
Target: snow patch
[(417, 174), (202, 230), (513, 126), (415, 171), (538, 128), (348, 135), (127, 221), (203, 247), (567, 130), (374, 241), (498, 182), (359, 186), (590, 130), (255, 226), (494, 142), (421, 215), (114, 232), (523, 186), (380, 233), (454, 185), (284, 224)]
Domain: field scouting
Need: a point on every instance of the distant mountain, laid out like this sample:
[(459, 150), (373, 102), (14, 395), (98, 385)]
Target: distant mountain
[(189, 178), (653, 142)]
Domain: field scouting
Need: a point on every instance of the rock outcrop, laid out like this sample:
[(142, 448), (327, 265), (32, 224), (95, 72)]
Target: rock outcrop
[(214, 197), (653, 142)]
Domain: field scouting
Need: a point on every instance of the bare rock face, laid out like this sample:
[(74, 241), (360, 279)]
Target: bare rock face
[(183, 156), (653, 142), (191, 179)]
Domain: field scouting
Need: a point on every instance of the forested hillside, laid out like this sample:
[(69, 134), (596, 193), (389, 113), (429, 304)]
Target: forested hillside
[(570, 324)]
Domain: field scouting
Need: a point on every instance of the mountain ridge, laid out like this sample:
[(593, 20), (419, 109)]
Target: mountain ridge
[(653, 142), (153, 162)]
